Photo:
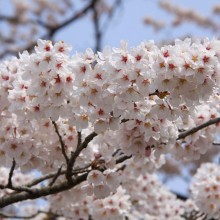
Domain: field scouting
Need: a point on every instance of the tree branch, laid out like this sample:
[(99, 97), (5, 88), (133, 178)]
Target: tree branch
[(123, 158), (197, 128), (61, 142), (79, 138), (76, 16), (52, 175), (56, 176), (75, 154), (60, 187), (9, 185), (44, 191)]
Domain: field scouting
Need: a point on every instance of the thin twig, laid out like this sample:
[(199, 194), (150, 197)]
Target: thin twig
[(79, 138), (197, 128), (81, 170), (76, 16), (116, 152), (9, 185), (61, 142), (43, 178), (49, 190), (75, 154), (123, 158), (19, 189), (121, 168), (42, 192), (56, 176), (51, 175)]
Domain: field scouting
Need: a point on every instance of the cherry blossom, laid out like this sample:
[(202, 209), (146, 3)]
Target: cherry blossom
[(109, 120)]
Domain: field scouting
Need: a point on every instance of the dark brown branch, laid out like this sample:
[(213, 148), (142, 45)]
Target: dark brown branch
[(63, 146), (123, 158), (52, 175), (56, 176), (75, 154), (43, 178), (121, 168), (17, 189), (79, 138), (49, 190), (215, 143), (197, 128), (116, 152), (180, 196), (44, 191), (81, 170), (9, 185), (76, 16)]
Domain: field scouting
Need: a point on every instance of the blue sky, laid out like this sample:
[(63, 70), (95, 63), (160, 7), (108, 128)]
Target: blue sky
[(128, 24)]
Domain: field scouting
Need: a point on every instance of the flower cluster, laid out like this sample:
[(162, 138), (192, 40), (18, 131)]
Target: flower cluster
[(149, 198), (32, 149), (200, 142), (145, 94), (45, 85), (137, 102), (205, 189), (102, 184), (74, 204)]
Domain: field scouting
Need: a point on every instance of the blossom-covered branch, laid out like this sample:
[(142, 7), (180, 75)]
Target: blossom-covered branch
[(195, 129), (76, 153), (94, 124)]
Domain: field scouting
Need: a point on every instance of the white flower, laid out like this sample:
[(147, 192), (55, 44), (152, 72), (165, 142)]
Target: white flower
[(112, 179), (101, 191), (100, 126), (43, 46), (95, 177), (62, 47), (205, 189)]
